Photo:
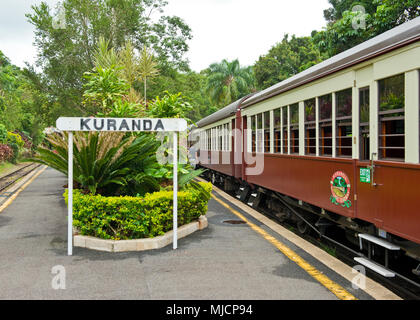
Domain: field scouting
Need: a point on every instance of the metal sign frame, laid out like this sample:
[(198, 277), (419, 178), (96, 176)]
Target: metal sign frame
[(71, 124)]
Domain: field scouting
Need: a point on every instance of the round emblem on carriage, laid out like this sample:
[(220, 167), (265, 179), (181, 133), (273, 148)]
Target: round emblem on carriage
[(340, 189)]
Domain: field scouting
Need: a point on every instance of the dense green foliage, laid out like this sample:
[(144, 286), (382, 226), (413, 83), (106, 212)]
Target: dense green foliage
[(347, 28), (136, 217), (102, 161), (22, 104), (66, 54), (286, 59)]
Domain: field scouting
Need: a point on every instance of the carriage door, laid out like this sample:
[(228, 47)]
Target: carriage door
[(366, 194)]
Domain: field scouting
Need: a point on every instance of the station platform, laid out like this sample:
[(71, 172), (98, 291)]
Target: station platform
[(224, 261)]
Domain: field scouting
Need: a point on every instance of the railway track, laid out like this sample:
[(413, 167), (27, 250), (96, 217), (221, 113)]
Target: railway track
[(11, 178), (404, 286)]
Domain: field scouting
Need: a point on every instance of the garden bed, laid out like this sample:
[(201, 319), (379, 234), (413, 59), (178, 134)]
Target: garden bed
[(138, 244), (133, 218)]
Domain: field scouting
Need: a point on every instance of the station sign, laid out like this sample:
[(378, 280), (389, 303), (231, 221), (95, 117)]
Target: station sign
[(121, 124)]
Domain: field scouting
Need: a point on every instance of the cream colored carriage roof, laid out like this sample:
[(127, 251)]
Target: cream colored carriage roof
[(222, 113)]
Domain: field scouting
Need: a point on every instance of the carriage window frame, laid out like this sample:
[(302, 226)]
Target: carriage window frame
[(277, 130), (344, 123), (391, 143), (293, 123), (310, 127), (253, 133), (325, 123), (260, 133), (266, 132)]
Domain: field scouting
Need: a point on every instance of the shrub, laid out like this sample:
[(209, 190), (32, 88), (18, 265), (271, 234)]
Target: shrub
[(135, 217), (6, 152), (15, 138), (3, 133)]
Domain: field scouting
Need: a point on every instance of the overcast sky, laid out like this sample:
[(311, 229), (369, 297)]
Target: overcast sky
[(222, 29)]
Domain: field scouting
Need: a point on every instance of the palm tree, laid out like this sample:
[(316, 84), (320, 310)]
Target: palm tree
[(147, 68), (228, 81)]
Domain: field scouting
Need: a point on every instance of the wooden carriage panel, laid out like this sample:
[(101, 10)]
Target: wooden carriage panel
[(309, 179)]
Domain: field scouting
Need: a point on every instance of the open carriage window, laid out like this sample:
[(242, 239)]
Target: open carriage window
[(294, 128), (260, 138), (267, 131), (285, 128), (277, 130), (325, 125), (344, 123), (253, 135), (391, 118), (220, 134), (310, 124)]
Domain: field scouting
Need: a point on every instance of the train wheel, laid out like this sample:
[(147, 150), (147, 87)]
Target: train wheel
[(213, 178), (302, 227)]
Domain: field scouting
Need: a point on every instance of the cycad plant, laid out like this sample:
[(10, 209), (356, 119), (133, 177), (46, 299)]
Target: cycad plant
[(102, 160)]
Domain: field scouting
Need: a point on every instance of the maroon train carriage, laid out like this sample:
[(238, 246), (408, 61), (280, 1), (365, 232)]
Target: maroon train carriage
[(339, 144)]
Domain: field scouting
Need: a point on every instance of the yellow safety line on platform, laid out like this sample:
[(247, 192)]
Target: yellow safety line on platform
[(335, 288), (13, 197)]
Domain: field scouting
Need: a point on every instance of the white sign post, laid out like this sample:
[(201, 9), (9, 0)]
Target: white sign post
[(120, 124)]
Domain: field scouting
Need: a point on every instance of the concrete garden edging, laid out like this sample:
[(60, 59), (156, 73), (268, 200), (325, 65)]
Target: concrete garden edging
[(138, 244)]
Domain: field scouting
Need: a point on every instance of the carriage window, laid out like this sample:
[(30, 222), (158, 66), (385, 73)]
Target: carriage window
[(310, 136), (220, 134), (224, 140), (344, 123), (227, 137), (260, 138), (391, 118), (325, 125), (208, 135), (253, 130), (364, 132), (285, 130), (277, 130), (267, 131), (294, 128)]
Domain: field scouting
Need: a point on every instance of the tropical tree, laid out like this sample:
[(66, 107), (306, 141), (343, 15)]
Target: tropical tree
[(66, 53), (103, 88), (170, 106), (147, 69), (347, 28), (228, 81), (285, 59)]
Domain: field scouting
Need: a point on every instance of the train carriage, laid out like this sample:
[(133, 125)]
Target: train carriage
[(340, 139)]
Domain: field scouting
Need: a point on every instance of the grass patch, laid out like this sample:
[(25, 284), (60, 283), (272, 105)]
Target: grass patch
[(330, 250), (6, 167)]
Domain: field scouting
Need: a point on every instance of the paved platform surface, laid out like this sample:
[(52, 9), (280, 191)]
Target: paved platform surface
[(224, 261)]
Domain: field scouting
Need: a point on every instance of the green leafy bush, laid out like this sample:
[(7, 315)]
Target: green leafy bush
[(3, 133), (135, 217), (14, 138)]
